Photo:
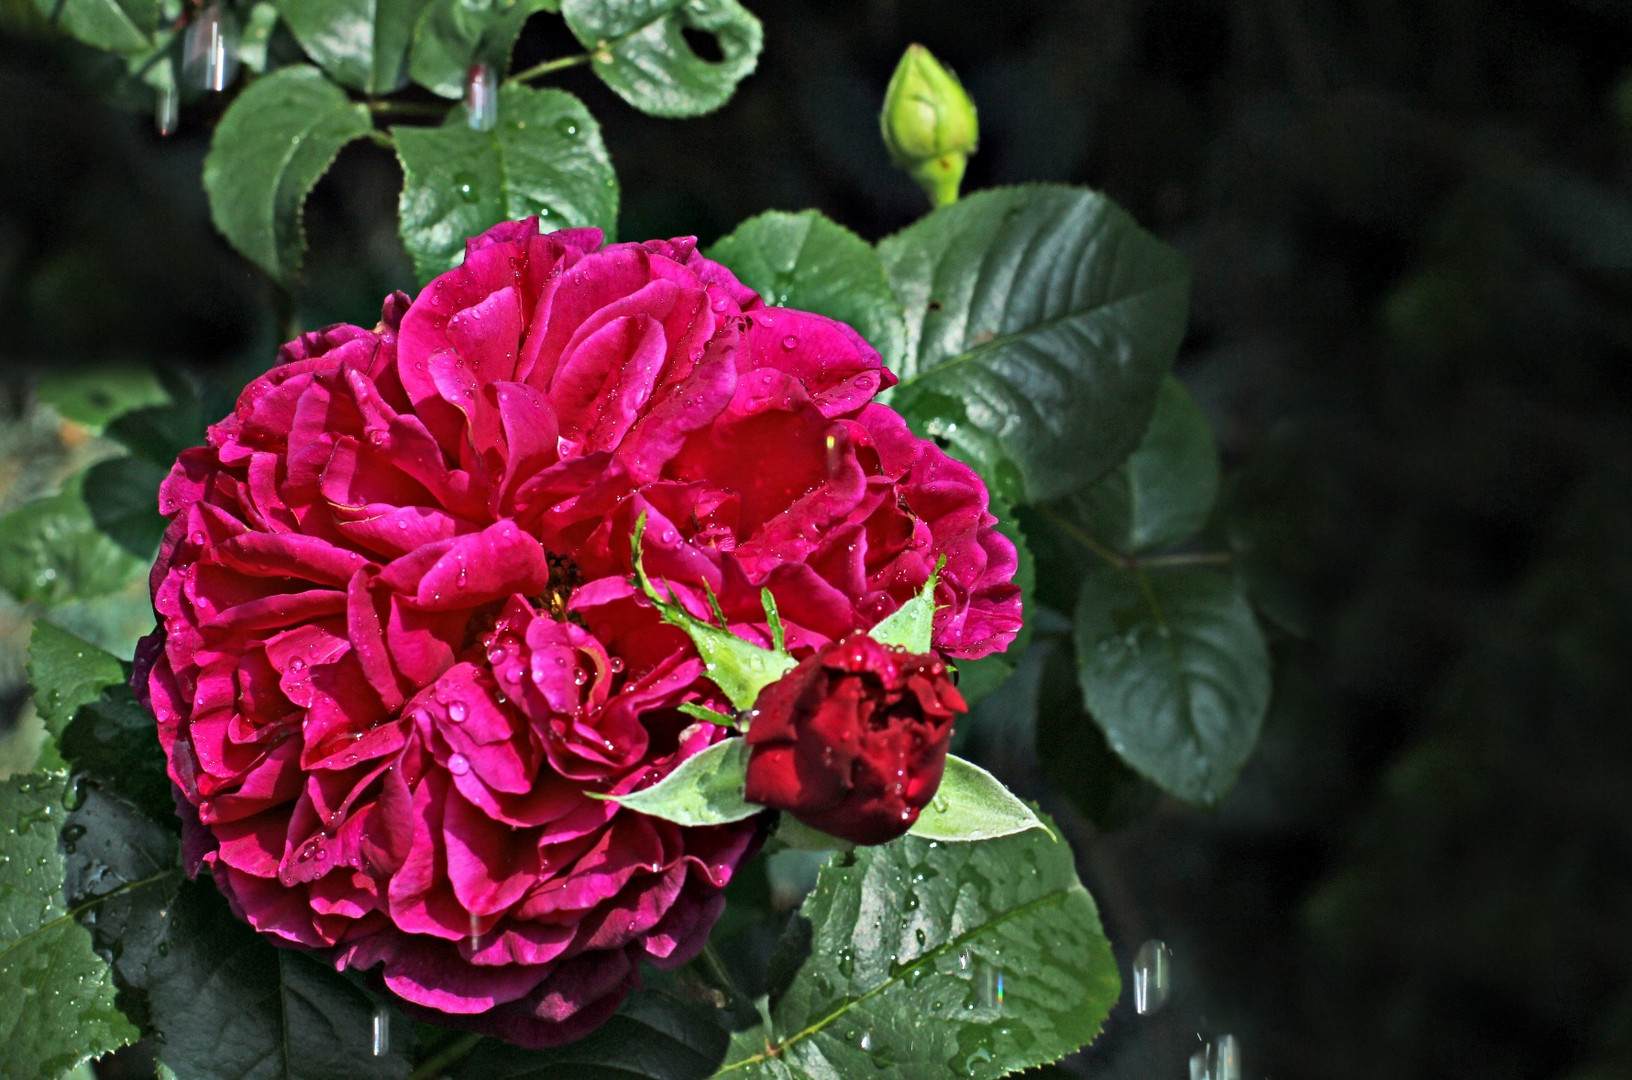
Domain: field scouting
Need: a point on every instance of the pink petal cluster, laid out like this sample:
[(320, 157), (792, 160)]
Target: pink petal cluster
[(399, 650)]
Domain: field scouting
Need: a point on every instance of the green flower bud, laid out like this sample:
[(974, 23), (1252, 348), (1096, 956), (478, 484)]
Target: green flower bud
[(929, 124)]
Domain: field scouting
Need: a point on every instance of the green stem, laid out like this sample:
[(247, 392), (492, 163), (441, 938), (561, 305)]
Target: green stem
[(457, 1050), (1132, 562), (407, 108), (1071, 529), (558, 64)]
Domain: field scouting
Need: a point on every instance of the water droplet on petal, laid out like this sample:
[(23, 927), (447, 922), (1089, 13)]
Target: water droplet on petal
[(616, 664), (790, 343), (458, 765), (457, 711), (496, 655)]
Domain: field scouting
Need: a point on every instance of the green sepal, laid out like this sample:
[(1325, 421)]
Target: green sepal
[(704, 790), (911, 625), (972, 804)]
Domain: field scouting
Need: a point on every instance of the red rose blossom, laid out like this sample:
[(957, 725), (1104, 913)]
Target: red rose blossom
[(853, 740), (398, 646)]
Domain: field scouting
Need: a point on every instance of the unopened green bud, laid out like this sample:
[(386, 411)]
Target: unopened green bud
[(929, 124)]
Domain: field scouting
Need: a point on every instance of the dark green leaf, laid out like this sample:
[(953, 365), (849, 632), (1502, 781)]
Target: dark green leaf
[(1040, 321), (1174, 668), (51, 552), (932, 960), (1164, 491), (56, 994), (652, 1037), (544, 157), (808, 262), (641, 52), (122, 494), (705, 790), (972, 804), (67, 672), (361, 43), (121, 26), (116, 741), (453, 34), (229, 1005), (274, 143), (121, 872)]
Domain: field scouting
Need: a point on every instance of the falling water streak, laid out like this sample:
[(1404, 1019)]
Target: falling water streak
[(481, 97), (167, 108), (1198, 1066), (381, 1044), (475, 932), (1152, 973), (1226, 1063), (210, 48)]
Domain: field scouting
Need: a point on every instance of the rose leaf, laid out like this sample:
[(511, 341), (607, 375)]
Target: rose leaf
[(67, 672), (972, 804), (273, 145), (52, 553), (929, 959), (118, 26), (705, 790), (453, 34), (1174, 668), (1040, 321), (362, 44), (544, 156), (56, 995), (811, 263), (1163, 492), (640, 51)]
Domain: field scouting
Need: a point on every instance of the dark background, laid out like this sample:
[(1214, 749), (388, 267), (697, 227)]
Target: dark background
[(1410, 223)]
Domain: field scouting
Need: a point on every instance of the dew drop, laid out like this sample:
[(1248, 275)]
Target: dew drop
[(297, 664), (458, 765), (464, 184), (566, 126), (496, 655), (616, 664), (1152, 972), (790, 343), (580, 677), (457, 711), (380, 1042)]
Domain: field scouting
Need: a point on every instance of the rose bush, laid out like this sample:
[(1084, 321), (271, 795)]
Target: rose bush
[(399, 649), (853, 741)]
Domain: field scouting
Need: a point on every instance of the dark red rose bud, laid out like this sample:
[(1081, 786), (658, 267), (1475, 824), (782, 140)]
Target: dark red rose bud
[(853, 740)]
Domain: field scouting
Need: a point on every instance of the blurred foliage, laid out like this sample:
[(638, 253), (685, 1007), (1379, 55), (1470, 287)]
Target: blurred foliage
[(1410, 227)]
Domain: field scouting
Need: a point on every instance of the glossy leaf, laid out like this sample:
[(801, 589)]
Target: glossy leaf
[(51, 552), (1174, 668), (273, 145), (544, 157), (56, 994), (930, 959), (453, 34), (641, 52), (652, 1037), (1040, 321), (97, 395), (972, 804), (230, 1005), (1163, 493), (113, 740), (361, 43), (705, 790), (120, 26), (808, 262), (67, 672)]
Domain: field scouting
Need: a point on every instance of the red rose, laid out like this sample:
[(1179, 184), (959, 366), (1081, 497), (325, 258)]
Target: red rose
[(853, 740)]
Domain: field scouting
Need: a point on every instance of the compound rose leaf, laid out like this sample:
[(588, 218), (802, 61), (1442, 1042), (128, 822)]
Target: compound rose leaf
[(56, 994), (931, 959), (811, 263), (273, 145), (1174, 668), (1163, 492), (1040, 322), (119, 26), (544, 156), (639, 49)]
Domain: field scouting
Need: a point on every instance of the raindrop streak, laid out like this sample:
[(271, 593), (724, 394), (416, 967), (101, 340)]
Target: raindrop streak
[(209, 50), (1220, 1060), (167, 108), (381, 1031), (481, 97), (1152, 974), (1198, 1066)]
